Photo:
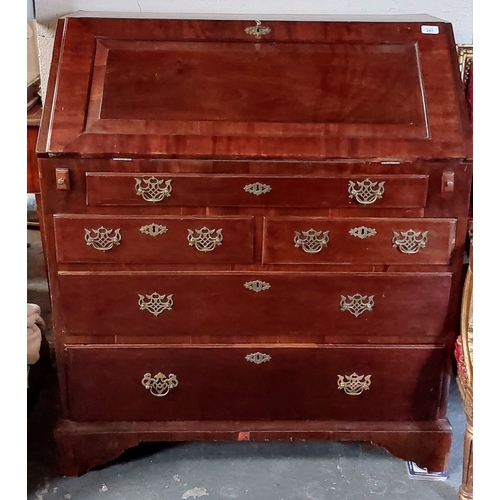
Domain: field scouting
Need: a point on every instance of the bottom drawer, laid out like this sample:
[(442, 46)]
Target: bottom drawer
[(254, 382)]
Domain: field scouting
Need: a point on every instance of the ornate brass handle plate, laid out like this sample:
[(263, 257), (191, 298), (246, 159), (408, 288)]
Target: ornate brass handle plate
[(102, 239), (257, 188), (409, 241), (155, 303), (160, 384), (154, 229), (354, 385), (366, 192), (258, 358), (152, 189), (311, 241), (258, 30), (356, 304), (257, 286), (205, 239), (362, 232)]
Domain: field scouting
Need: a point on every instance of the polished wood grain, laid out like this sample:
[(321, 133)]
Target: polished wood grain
[(221, 384), (281, 246), (137, 246), (33, 120), (409, 194), (227, 87), (118, 189), (86, 445), (340, 110), (218, 303), (306, 110)]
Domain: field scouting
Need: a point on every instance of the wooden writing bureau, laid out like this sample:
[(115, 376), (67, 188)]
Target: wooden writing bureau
[(254, 231)]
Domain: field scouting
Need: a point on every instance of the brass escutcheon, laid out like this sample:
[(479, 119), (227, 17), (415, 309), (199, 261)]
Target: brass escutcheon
[(258, 30), (258, 358), (362, 232), (257, 188), (154, 229), (257, 286)]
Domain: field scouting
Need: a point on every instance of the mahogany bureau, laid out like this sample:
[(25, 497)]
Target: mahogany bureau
[(254, 231)]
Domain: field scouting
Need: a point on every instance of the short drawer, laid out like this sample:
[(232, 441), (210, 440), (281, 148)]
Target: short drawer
[(250, 304), (254, 382), (157, 239), (298, 240), (153, 189)]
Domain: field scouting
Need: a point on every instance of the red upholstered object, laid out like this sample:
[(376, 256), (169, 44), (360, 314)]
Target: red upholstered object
[(468, 92), (459, 356)]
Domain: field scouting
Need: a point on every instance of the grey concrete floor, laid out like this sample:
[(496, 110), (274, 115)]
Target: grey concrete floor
[(220, 471)]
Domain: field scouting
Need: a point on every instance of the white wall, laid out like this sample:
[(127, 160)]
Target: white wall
[(30, 11), (458, 12)]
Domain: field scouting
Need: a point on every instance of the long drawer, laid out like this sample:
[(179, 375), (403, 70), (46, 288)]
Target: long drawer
[(254, 382), (247, 304), (153, 189), (156, 239), (319, 240)]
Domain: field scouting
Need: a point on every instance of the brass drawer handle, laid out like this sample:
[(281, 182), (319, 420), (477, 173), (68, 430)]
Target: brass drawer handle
[(257, 286), (102, 239), (409, 241), (205, 239), (311, 241), (155, 303), (356, 304), (258, 358), (257, 188), (354, 385), (152, 189), (63, 179), (154, 229), (160, 384), (366, 192)]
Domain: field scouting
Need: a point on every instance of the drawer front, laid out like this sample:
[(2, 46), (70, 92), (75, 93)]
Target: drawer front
[(251, 304), (297, 240), (153, 189), (157, 239), (254, 382)]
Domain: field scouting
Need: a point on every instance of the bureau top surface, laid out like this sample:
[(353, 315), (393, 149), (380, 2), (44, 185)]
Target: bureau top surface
[(296, 89)]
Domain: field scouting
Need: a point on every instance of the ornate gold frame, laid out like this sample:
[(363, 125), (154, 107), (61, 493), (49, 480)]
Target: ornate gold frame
[(464, 343), (464, 53)]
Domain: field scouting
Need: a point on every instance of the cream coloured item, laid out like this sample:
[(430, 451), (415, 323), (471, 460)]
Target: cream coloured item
[(35, 322)]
